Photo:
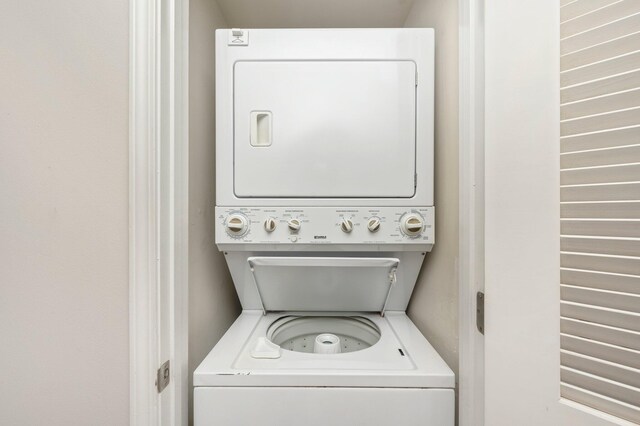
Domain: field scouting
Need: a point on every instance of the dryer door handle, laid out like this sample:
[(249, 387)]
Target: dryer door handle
[(261, 128)]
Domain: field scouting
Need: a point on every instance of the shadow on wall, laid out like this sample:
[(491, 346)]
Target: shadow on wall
[(213, 303), (434, 303)]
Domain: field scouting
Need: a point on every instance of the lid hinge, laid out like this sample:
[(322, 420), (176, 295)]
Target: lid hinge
[(392, 281), (255, 281)]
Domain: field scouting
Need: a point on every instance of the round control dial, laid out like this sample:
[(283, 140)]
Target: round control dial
[(270, 224), (237, 225), (412, 224), (294, 225), (374, 224), (346, 225)]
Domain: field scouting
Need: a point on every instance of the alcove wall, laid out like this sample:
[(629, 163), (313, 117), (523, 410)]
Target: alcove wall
[(213, 302)]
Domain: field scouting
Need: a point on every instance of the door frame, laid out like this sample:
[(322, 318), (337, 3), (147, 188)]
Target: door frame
[(471, 104), (158, 209)]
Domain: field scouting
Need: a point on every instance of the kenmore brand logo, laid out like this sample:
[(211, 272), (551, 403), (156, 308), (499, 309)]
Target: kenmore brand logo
[(319, 237)]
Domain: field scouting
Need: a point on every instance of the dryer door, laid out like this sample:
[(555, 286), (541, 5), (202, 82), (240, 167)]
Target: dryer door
[(328, 129)]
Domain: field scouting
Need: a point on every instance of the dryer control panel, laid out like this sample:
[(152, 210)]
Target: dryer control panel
[(324, 225)]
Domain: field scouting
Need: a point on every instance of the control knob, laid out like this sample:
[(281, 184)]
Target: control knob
[(294, 225), (237, 224), (374, 224), (412, 224), (346, 225), (270, 224)]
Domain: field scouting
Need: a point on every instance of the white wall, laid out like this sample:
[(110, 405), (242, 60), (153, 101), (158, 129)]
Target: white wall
[(213, 303), (64, 306), (434, 304)]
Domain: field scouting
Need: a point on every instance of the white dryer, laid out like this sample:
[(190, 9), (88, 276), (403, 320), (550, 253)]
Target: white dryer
[(324, 213)]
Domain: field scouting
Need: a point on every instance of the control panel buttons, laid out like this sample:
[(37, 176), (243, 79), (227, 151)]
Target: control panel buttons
[(412, 224), (294, 225), (237, 225), (346, 225), (270, 224), (374, 224), (326, 226)]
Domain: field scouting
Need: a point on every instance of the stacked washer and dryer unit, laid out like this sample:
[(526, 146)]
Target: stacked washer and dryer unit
[(324, 213)]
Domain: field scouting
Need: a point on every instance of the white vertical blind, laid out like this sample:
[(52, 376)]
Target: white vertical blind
[(600, 205)]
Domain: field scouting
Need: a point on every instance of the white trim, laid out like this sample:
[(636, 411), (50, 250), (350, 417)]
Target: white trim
[(158, 210), (471, 248), (142, 218), (180, 209)]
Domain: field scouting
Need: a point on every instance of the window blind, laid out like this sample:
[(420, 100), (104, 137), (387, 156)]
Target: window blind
[(600, 205)]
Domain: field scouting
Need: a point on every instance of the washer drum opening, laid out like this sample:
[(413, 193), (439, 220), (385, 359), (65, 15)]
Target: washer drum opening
[(299, 333)]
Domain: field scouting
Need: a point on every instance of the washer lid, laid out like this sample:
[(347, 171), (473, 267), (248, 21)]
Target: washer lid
[(329, 284)]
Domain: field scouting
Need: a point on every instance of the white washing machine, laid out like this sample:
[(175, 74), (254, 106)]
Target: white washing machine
[(324, 213)]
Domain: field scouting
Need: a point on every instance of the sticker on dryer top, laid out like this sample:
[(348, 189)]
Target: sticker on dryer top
[(238, 37)]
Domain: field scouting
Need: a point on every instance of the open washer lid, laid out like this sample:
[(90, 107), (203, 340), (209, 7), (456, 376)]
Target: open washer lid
[(324, 284)]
